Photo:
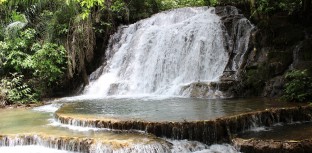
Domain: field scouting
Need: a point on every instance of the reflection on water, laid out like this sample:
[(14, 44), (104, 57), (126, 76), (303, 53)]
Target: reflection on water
[(295, 131), (174, 109)]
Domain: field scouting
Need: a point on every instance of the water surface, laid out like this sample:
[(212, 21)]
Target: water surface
[(27, 121), (19, 122), (171, 109), (295, 131)]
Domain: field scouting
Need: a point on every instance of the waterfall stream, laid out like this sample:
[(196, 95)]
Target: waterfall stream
[(161, 54)]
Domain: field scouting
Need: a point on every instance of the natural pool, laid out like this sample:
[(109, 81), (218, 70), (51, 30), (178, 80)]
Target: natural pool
[(29, 122), (171, 109), (42, 130)]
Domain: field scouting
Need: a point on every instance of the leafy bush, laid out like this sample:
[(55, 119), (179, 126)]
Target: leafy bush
[(298, 87), (43, 65), (48, 62), (16, 50), (16, 90)]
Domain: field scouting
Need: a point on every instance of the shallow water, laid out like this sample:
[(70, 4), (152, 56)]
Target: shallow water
[(25, 121), (171, 109), (18, 122), (39, 121), (295, 131)]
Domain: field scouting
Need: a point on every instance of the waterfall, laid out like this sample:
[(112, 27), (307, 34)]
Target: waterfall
[(164, 55)]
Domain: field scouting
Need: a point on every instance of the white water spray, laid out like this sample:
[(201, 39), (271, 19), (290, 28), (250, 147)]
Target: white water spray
[(161, 54)]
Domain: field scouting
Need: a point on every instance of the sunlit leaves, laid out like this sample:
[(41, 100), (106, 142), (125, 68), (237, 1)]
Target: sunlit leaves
[(87, 5), (15, 50), (2, 1)]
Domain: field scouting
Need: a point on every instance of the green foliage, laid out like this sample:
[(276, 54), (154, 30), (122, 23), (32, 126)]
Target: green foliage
[(268, 7), (119, 8), (2, 1), (16, 90), (48, 62), (263, 7), (53, 26), (16, 50), (45, 64), (170, 4), (87, 5), (298, 87), (213, 2), (17, 16)]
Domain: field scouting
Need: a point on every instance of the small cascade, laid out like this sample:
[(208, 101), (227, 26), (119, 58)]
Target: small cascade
[(64, 144), (60, 143), (13, 27), (146, 148), (194, 146), (296, 56), (51, 108), (219, 130), (83, 144), (162, 54)]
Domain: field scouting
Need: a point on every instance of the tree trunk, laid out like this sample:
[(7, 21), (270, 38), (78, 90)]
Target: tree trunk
[(85, 77)]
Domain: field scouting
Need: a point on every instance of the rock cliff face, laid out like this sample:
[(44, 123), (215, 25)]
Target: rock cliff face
[(238, 32), (271, 51)]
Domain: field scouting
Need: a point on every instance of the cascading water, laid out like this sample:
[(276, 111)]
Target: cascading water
[(161, 54)]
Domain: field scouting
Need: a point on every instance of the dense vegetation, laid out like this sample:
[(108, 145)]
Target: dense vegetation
[(299, 86), (47, 47)]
